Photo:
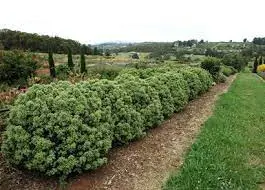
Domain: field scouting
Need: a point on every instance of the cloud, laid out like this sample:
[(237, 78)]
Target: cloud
[(138, 20)]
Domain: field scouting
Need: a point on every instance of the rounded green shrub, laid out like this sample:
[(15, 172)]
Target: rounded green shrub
[(228, 70), (127, 123), (62, 128), (47, 131), (178, 87), (164, 94), (194, 83), (144, 98), (212, 65), (204, 76)]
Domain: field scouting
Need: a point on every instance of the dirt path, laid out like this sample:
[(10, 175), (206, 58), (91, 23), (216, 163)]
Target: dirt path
[(146, 163)]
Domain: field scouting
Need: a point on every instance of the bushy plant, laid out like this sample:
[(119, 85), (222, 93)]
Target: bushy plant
[(55, 129), (16, 65), (212, 65), (178, 88), (62, 69), (205, 78), (235, 60), (261, 68), (221, 78), (127, 123), (105, 71), (228, 70), (194, 83), (62, 128), (164, 94), (144, 98)]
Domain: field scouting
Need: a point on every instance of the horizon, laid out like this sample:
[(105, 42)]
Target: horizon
[(128, 42), (139, 21)]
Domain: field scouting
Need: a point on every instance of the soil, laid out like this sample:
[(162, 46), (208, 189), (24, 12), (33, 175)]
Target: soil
[(141, 165)]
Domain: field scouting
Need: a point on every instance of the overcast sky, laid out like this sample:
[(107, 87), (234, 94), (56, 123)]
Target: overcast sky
[(95, 21)]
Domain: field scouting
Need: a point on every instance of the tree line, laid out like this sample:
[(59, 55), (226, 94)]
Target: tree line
[(11, 40), (259, 41)]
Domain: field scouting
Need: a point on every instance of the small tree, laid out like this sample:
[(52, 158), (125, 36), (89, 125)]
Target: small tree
[(260, 60), (255, 66), (135, 56), (51, 65), (83, 61), (70, 59), (95, 51), (213, 65), (107, 53)]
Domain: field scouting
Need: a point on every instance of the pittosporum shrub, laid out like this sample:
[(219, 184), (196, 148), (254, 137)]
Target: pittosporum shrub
[(194, 83), (47, 130), (62, 128), (164, 94), (144, 98), (178, 88), (204, 76), (127, 123)]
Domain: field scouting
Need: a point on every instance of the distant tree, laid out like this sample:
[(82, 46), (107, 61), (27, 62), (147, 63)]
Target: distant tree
[(245, 40), (1, 46), (201, 41), (95, 51), (135, 56), (51, 65), (260, 60), (259, 41), (70, 59), (107, 53), (37, 43), (16, 67), (83, 61), (235, 60), (255, 65)]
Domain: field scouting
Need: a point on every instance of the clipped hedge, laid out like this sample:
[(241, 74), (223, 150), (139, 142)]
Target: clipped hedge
[(62, 128), (47, 130), (193, 81)]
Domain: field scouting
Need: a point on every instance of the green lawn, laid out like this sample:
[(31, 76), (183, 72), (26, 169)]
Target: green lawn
[(229, 153)]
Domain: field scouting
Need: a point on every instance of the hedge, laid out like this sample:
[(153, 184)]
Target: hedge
[(62, 128)]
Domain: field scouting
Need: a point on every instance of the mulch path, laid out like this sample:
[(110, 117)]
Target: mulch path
[(142, 165)]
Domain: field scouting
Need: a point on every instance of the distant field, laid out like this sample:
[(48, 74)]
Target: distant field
[(91, 60)]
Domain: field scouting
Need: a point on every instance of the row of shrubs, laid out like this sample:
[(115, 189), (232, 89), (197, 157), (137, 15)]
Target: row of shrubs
[(62, 128), (218, 70)]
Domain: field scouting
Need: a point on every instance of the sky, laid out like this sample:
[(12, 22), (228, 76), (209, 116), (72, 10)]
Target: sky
[(97, 21)]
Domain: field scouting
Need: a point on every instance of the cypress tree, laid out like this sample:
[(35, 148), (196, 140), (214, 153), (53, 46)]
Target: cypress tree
[(95, 51), (260, 60), (83, 61), (70, 59), (51, 65), (255, 66)]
